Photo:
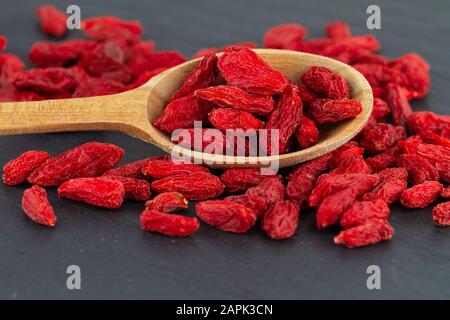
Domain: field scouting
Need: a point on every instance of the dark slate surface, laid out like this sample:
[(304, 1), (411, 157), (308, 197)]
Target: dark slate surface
[(118, 260)]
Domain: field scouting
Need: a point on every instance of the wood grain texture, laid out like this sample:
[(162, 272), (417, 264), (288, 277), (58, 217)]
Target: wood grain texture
[(118, 260)]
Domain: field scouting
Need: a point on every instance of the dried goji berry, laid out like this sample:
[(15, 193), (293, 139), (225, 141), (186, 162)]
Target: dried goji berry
[(342, 156), (142, 60), (399, 104), (52, 20), (419, 168), (421, 195), (3, 42), (226, 215), (36, 206), (362, 211), (87, 160), (352, 164), (299, 187), (380, 109), (104, 57), (381, 137), (51, 54), (389, 191), (313, 167), (135, 189), (10, 66), (445, 193), (161, 167), (327, 110), (47, 81), (281, 220), (326, 83), (392, 174), (307, 133), (328, 184), (385, 159), (233, 97), (285, 118), (129, 170), (167, 202), (270, 189), (101, 192), (202, 76), (182, 113), (428, 121), (94, 86), (239, 180), (333, 206), (173, 225), (286, 36), (144, 77), (337, 30), (257, 204), (433, 138), (228, 118), (194, 186), (108, 27), (306, 95), (202, 139), (366, 42), (441, 214), (17, 170), (371, 232), (243, 68)]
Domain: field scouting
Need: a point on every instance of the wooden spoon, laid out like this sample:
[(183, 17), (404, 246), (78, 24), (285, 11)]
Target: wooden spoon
[(132, 112)]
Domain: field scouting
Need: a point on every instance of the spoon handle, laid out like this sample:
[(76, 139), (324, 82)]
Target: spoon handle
[(126, 112)]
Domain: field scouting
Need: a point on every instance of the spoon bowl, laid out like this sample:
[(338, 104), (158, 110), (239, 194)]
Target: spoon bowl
[(133, 111)]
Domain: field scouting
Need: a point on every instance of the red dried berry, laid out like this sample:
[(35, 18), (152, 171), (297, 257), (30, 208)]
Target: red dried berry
[(182, 113), (399, 104), (307, 133), (129, 170), (135, 189), (421, 195), (243, 68), (161, 167), (101, 192), (433, 138), (257, 204), (441, 214), (328, 185), (381, 137), (419, 168), (108, 27), (194, 186), (392, 174), (17, 170), (202, 139), (380, 109), (51, 54), (226, 215), (232, 97), (326, 83), (306, 95), (385, 159), (87, 160), (281, 220), (427, 121), (270, 189), (299, 188), (168, 202), (352, 164), (343, 156), (3, 42), (332, 207), (372, 232), (107, 56), (286, 36), (445, 193), (285, 118), (326, 110), (173, 225), (389, 191), (202, 76), (363, 42), (338, 30), (47, 81), (52, 20), (36, 206), (239, 180), (313, 167), (362, 211), (228, 118)]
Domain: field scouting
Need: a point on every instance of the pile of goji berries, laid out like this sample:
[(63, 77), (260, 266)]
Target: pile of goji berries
[(407, 161)]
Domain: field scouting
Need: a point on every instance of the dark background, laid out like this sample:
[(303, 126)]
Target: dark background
[(118, 260)]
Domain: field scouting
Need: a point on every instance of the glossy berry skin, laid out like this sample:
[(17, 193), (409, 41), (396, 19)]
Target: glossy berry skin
[(17, 170), (369, 233), (281, 220), (226, 215), (362, 211), (100, 192), (421, 195), (168, 202), (441, 214), (169, 224), (36, 206)]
